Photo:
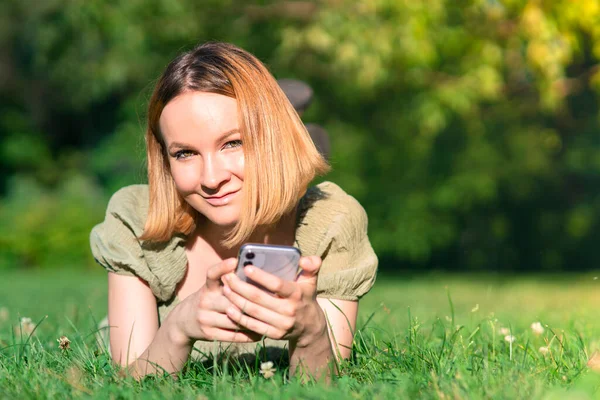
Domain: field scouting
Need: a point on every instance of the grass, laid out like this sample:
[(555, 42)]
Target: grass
[(434, 336)]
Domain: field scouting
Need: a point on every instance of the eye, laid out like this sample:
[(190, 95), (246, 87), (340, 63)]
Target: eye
[(183, 154), (232, 144)]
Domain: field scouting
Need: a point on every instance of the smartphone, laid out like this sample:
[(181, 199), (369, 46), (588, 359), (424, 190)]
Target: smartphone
[(281, 261)]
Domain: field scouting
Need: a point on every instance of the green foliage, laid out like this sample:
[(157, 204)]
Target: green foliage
[(468, 129), (48, 227), (474, 109)]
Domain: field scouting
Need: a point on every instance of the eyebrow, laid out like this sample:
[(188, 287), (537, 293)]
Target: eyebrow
[(179, 145)]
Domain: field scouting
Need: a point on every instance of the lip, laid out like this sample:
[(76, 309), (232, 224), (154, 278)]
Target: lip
[(223, 200)]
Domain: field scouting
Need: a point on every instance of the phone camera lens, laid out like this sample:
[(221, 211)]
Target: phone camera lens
[(246, 263), (249, 255)]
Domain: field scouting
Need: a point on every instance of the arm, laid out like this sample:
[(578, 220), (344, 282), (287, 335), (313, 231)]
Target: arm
[(136, 340), (311, 354), (139, 343), (341, 318)]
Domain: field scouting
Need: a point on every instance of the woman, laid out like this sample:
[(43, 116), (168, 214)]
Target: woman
[(229, 162)]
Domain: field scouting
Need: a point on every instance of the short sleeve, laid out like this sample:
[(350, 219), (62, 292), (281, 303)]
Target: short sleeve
[(114, 242), (116, 247), (349, 264)]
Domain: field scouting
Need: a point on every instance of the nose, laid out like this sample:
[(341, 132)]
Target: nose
[(214, 173)]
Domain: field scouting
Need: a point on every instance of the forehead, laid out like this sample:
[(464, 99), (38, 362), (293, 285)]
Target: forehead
[(198, 112)]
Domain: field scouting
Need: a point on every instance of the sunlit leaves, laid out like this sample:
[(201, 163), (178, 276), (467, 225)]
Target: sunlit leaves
[(461, 125)]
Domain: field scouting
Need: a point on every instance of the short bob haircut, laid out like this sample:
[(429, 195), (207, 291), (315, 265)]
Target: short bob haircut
[(280, 158)]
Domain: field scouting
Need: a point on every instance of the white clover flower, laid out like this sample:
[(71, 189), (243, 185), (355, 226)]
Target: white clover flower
[(510, 338), (267, 370), (27, 326), (63, 343), (543, 349), (504, 331), (537, 328)]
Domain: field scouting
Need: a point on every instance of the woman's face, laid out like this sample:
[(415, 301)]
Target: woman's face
[(204, 148)]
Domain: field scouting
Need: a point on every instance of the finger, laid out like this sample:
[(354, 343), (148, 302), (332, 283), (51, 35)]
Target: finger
[(272, 283), (236, 336), (255, 325), (214, 273), (218, 320), (213, 302), (246, 290), (279, 313), (310, 268)]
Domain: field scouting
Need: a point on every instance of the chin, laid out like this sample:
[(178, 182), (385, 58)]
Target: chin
[(223, 220), (223, 223)]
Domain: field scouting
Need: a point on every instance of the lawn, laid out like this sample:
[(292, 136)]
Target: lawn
[(423, 336)]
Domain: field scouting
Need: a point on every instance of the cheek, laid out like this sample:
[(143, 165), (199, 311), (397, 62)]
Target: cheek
[(185, 177), (239, 166), (234, 164)]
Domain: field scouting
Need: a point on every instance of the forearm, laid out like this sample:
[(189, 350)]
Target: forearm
[(313, 360), (167, 353), (311, 356)]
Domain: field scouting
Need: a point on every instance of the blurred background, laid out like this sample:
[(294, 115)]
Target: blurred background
[(468, 129)]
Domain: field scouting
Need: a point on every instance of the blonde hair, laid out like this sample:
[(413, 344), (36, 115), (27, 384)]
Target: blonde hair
[(280, 157)]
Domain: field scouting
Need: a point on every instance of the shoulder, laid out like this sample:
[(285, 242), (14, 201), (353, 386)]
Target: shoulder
[(335, 229), (331, 215), (130, 206), (123, 223), (114, 242), (337, 209), (337, 198), (116, 246)]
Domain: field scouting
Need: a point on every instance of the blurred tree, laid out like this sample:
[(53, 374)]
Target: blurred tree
[(471, 126), (468, 129)]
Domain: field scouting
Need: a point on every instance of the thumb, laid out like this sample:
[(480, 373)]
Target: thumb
[(214, 273), (310, 269)]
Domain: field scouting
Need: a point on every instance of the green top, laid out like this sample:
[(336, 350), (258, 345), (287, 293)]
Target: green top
[(331, 224)]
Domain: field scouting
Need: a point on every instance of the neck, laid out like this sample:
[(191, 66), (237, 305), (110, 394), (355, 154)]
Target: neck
[(213, 235), (283, 232)]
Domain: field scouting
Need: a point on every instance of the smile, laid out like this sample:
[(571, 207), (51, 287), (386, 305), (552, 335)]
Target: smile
[(218, 201)]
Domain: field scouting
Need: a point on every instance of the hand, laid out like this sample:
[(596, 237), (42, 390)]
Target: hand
[(290, 313), (201, 316)]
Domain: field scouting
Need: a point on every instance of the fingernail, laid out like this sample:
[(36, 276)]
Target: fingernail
[(226, 289), (227, 277), (249, 270)]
